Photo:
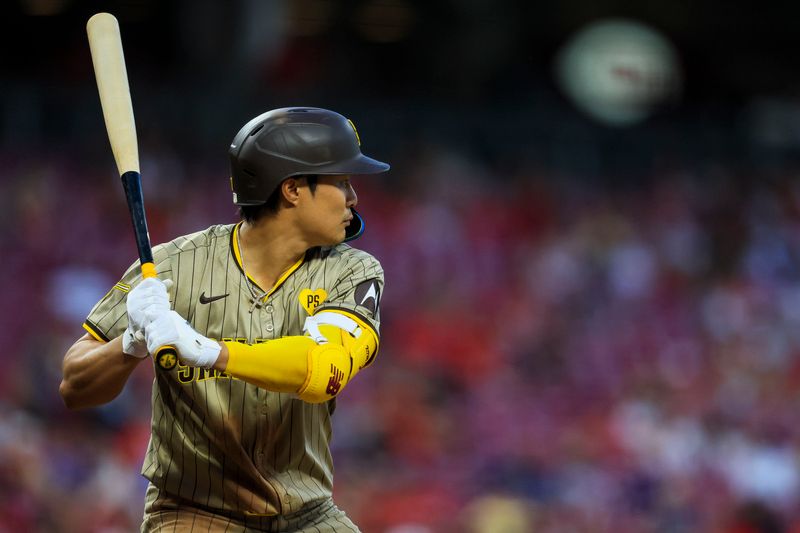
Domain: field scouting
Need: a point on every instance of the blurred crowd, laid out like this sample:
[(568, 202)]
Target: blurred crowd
[(558, 355)]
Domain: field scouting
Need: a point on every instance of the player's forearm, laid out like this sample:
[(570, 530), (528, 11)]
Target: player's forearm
[(279, 366), (297, 364), (94, 372)]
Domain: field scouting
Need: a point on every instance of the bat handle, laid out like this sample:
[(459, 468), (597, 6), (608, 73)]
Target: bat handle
[(149, 270), (167, 354)]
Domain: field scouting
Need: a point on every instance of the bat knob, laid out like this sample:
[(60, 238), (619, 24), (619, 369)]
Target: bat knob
[(166, 357)]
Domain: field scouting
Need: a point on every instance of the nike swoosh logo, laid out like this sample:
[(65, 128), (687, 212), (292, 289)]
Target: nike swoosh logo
[(208, 299)]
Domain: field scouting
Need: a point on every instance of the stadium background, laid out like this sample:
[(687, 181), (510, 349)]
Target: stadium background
[(586, 328)]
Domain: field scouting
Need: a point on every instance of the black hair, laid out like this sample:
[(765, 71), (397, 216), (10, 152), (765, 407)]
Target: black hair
[(252, 213)]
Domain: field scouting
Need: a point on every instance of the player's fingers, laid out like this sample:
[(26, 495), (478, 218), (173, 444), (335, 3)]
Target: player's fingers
[(155, 314), (149, 284), (159, 292), (149, 288), (161, 332), (141, 311), (150, 313), (154, 300)]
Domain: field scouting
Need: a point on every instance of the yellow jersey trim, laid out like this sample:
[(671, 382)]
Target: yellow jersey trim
[(237, 256), (94, 332), (122, 287)]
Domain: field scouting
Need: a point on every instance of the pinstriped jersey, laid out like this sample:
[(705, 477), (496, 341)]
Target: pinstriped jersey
[(217, 441)]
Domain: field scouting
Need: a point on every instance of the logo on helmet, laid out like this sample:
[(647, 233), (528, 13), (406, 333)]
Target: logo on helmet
[(358, 137)]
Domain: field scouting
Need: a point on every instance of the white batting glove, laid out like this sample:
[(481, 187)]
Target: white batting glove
[(168, 328), (134, 344), (149, 296)]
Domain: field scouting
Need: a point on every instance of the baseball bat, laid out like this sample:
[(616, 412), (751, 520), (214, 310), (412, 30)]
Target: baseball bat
[(105, 43)]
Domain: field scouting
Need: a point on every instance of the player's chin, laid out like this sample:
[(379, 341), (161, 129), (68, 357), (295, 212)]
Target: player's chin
[(335, 237)]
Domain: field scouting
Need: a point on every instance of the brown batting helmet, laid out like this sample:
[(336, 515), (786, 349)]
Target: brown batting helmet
[(295, 141)]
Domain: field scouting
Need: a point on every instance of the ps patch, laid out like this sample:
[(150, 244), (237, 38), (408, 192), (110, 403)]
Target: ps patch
[(311, 299)]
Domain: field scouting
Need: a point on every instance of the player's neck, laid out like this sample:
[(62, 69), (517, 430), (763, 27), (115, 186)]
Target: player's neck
[(267, 250)]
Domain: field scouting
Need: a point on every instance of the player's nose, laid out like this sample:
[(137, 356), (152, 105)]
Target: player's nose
[(352, 197)]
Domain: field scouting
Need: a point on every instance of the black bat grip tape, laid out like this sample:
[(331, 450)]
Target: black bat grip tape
[(132, 182)]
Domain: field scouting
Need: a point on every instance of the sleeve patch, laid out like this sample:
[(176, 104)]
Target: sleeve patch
[(368, 295)]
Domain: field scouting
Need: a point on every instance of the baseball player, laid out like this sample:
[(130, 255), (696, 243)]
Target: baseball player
[(271, 318)]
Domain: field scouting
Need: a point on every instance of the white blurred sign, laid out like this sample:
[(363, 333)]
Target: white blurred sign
[(618, 71)]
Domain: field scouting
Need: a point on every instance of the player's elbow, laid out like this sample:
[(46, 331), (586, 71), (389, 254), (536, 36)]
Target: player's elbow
[(78, 396), (72, 388), (69, 396), (344, 348), (330, 368)]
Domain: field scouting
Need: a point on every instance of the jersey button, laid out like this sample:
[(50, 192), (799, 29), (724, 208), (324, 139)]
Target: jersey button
[(270, 328), (264, 409), (269, 308)]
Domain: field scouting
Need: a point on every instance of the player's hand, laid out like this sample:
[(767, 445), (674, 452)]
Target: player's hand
[(134, 343), (168, 328), (147, 298)]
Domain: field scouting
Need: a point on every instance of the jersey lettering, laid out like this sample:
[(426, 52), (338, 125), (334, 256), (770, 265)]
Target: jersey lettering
[(188, 374)]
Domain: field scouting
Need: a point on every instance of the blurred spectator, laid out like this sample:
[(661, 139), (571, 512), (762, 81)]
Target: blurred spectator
[(555, 357)]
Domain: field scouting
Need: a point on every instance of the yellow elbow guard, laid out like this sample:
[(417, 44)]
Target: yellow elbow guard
[(316, 372), (358, 339), (279, 365), (345, 347), (329, 369), (315, 367)]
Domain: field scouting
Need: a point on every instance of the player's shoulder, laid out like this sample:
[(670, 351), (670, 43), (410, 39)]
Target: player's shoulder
[(347, 254), (343, 261), (193, 241)]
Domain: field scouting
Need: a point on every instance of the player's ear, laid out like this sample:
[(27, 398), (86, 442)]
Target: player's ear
[(290, 190)]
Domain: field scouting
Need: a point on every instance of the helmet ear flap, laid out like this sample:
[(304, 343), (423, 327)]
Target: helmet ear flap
[(356, 227)]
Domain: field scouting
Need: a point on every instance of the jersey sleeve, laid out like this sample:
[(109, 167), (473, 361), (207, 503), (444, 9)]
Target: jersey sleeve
[(109, 317), (357, 290)]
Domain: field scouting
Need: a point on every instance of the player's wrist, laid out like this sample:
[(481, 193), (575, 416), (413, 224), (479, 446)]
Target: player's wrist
[(207, 353), (221, 363)]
